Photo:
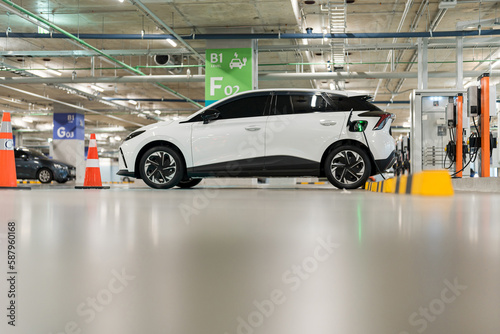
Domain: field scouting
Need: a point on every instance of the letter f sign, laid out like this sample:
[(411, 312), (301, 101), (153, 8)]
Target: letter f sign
[(214, 86)]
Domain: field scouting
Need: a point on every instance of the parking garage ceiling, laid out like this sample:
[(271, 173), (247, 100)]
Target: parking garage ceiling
[(108, 41)]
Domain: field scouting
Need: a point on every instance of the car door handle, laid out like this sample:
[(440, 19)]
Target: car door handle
[(327, 122), (252, 128)]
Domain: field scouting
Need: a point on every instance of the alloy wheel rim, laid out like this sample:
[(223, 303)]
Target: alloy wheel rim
[(160, 167), (347, 167), (44, 176)]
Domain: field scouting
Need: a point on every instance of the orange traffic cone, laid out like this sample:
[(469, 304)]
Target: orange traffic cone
[(92, 170), (8, 178)]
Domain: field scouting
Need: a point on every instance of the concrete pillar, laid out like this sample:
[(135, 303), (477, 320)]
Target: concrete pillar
[(68, 144), (423, 73), (460, 62)]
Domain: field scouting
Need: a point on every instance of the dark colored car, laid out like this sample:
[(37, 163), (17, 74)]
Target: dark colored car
[(33, 164)]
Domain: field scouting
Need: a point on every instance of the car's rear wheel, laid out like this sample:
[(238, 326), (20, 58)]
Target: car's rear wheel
[(189, 183), (44, 175), (347, 167), (161, 167)]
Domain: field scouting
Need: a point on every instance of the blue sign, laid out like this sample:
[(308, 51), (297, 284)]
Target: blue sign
[(69, 126)]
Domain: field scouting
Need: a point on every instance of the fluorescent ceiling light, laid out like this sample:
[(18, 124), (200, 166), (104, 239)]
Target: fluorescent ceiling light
[(469, 84), (42, 31), (132, 102), (495, 64), (172, 42), (447, 4), (95, 87), (45, 72), (44, 127), (40, 73), (112, 129), (55, 72)]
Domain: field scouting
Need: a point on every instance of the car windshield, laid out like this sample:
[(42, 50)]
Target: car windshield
[(35, 153)]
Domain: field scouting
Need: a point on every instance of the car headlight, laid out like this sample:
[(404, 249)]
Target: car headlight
[(58, 166), (134, 134)]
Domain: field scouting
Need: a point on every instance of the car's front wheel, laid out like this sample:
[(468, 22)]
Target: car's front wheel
[(161, 167), (44, 175), (347, 167), (189, 183)]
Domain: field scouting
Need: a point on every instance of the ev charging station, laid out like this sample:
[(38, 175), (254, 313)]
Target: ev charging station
[(450, 129), (439, 126), (482, 107)]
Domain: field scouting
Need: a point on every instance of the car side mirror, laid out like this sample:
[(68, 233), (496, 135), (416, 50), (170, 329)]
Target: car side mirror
[(358, 126), (209, 115)]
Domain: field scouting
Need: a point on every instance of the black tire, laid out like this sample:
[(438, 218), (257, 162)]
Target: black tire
[(45, 175), (189, 183), (347, 167), (161, 167)]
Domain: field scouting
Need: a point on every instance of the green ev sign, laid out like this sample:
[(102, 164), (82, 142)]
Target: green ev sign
[(227, 72)]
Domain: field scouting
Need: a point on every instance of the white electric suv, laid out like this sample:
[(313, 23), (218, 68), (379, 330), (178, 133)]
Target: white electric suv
[(265, 133)]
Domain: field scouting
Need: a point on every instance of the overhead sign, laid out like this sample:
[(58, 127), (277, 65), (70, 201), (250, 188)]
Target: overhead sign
[(227, 72), (69, 126)]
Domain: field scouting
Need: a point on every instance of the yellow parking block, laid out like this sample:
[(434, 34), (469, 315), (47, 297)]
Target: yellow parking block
[(426, 183), (390, 186), (432, 183)]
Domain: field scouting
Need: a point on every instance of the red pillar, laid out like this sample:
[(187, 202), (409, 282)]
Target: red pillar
[(485, 125), (459, 158)]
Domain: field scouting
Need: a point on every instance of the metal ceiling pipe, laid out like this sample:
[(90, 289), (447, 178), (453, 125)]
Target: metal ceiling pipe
[(364, 35), (363, 75), (121, 79), (447, 43), (164, 26), (82, 42), (149, 99), (262, 76)]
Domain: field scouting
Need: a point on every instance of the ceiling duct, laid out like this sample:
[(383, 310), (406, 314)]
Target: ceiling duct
[(162, 59), (169, 61)]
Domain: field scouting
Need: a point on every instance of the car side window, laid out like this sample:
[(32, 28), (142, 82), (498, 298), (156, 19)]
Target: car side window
[(253, 106), (21, 154), (299, 104), (283, 105)]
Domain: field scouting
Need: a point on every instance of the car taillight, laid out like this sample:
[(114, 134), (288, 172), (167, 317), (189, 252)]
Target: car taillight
[(384, 118)]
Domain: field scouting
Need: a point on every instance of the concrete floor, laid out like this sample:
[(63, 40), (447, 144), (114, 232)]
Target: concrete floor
[(226, 260)]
